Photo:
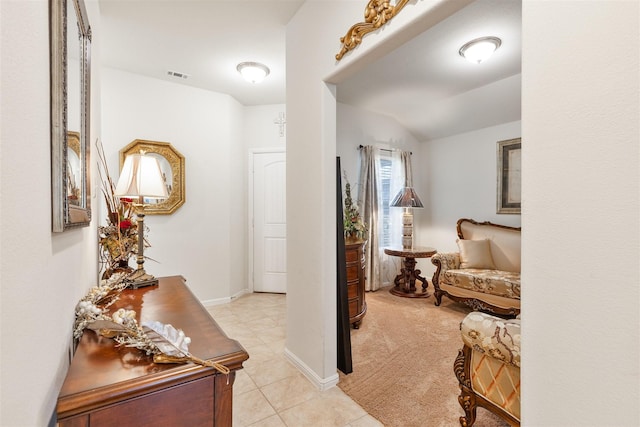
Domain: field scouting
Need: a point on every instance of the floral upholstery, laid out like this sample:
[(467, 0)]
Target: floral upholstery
[(494, 282), (448, 260), (488, 367), (498, 338)]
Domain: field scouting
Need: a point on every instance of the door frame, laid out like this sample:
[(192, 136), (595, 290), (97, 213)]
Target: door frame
[(250, 218)]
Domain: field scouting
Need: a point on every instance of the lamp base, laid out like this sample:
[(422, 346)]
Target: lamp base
[(140, 279), (407, 229)]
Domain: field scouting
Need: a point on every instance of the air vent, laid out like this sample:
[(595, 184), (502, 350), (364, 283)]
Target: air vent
[(178, 75)]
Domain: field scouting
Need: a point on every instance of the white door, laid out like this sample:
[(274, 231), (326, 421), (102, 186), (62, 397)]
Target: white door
[(269, 222)]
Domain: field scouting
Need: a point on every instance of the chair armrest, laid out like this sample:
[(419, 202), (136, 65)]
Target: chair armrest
[(446, 261), (494, 336)]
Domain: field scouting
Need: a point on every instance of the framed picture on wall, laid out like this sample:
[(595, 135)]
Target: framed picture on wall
[(509, 176)]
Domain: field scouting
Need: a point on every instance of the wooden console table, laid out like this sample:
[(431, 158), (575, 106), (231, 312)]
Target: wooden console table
[(405, 282), (118, 386)]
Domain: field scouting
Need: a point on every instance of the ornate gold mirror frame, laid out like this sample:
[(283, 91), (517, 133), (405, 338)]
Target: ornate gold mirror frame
[(70, 49), (376, 14), (172, 166)]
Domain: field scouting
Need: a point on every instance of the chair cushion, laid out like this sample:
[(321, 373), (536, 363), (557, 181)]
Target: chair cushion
[(475, 254), (504, 242), (494, 282)]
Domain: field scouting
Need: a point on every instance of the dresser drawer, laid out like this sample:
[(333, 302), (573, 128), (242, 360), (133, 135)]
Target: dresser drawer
[(352, 272), (189, 404)]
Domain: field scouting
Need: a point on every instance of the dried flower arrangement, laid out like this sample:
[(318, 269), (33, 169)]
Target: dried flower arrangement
[(119, 238), (162, 341), (354, 228)]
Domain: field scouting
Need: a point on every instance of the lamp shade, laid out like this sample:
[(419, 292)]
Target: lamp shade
[(406, 198), (141, 177)]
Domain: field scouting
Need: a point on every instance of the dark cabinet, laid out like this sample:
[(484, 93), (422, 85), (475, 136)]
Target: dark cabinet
[(355, 281)]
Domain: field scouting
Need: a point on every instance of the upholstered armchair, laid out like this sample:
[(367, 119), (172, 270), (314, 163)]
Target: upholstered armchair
[(488, 367)]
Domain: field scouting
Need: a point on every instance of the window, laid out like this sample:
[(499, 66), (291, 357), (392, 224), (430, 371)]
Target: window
[(384, 197), (391, 181)]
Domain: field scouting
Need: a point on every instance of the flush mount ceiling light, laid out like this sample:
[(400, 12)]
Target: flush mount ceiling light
[(478, 50), (253, 72)]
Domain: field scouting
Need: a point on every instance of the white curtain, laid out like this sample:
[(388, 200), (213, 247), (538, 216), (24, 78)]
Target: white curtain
[(369, 206), (383, 173)]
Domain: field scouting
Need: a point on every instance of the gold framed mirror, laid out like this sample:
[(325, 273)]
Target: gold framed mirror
[(70, 52), (172, 167)]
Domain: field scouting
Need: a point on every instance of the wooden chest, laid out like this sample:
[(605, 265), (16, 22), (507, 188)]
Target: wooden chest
[(355, 282)]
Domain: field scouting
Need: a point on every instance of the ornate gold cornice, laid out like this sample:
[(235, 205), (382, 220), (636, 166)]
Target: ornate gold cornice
[(376, 14)]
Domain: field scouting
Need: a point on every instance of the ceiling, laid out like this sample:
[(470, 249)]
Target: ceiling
[(424, 84), (434, 92), (205, 39)]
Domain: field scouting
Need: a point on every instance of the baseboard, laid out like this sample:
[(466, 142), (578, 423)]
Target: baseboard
[(225, 300), (321, 384)]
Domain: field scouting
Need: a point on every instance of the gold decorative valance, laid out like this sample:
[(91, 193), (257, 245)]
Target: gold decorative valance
[(376, 14)]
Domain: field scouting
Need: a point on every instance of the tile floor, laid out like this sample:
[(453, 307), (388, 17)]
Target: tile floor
[(270, 391)]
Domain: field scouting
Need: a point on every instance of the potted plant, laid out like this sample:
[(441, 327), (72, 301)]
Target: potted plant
[(118, 240), (354, 229)]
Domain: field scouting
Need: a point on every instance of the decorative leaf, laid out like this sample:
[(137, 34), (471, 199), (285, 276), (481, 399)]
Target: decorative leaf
[(169, 340), (106, 328)]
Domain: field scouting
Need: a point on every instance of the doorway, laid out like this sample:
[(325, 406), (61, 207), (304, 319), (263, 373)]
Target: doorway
[(268, 221)]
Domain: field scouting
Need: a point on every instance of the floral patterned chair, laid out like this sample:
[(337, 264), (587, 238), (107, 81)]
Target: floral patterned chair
[(488, 367), (485, 273)]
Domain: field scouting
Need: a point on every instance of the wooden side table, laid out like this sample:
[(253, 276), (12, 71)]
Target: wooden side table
[(405, 282)]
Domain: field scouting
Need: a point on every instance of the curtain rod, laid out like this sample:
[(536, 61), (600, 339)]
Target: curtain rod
[(391, 150)]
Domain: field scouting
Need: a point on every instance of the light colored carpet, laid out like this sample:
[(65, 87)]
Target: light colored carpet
[(403, 358)]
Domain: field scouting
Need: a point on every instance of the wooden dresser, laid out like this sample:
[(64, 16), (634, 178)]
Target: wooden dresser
[(117, 386), (354, 252)]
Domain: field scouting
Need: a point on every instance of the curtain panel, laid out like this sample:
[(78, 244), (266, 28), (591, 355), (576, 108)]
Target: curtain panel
[(383, 173)]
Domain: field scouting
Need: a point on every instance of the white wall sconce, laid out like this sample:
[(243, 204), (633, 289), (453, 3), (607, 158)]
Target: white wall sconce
[(479, 50), (253, 72)]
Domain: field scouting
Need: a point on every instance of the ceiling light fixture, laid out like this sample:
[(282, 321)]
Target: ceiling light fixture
[(253, 72), (478, 50)]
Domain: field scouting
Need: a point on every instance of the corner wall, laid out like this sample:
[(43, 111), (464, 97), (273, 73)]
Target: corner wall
[(42, 274), (356, 126), (205, 239)]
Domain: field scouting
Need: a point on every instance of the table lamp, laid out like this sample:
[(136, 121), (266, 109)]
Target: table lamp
[(141, 179), (407, 199)]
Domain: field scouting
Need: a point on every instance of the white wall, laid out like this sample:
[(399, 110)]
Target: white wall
[(459, 175), (42, 274), (355, 127), (581, 235), (205, 239), (259, 129)]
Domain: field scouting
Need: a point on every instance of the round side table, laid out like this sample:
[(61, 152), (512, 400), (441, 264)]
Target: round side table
[(405, 282)]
